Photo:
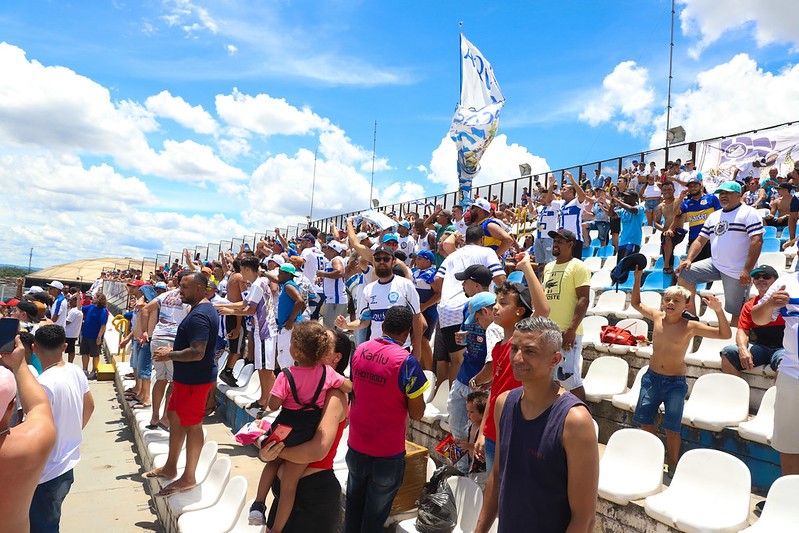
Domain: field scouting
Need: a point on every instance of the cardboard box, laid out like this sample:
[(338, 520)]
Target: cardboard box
[(415, 478)]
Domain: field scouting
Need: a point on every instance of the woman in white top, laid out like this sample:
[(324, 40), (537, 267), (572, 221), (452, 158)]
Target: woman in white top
[(74, 322), (652, 197)]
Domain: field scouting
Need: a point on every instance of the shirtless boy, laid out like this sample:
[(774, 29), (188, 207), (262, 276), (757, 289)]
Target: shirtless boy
[(664, 382), (667, 209), (784, 212), (236, 333)]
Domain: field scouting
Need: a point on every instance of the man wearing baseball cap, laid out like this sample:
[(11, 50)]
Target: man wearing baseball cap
[(314, 260), (566, 284), (735, 234), (494, 234), (333, 283), (407, 244), (58, 311), (695, 208), (767, 348)]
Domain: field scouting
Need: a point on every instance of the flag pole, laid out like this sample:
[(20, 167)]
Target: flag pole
[(460, 61), (372, 185)]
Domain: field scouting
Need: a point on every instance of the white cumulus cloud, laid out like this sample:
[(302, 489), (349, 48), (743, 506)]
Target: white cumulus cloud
[(266, 115), (176, 108), (626, 98), (768, 21)]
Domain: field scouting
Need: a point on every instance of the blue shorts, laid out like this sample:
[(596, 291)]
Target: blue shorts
[(651, 205), (145, 361), (658, 389)]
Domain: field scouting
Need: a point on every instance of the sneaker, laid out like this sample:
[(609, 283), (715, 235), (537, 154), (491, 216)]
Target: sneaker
[(92, 375), (227, 377), (257, 515)]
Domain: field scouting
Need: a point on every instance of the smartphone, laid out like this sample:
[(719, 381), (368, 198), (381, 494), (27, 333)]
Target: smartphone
[(246, 246), (9, 329), (279, 433), (148, 291)]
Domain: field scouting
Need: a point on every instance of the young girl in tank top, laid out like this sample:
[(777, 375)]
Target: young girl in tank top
[(300, 394)]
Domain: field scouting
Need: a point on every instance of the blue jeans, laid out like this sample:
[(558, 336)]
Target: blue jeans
[(490, 450), (656, 389), (542, 249), (145, 363), (361, 336), (371, 486), (45, 511), (603, 229), (761, 355), (456, 407)]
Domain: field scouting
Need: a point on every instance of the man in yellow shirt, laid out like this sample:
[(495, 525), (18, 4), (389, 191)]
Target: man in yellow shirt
[(566, 284)]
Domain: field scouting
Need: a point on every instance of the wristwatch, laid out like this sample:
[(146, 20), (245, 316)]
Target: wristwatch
[(472, 383)]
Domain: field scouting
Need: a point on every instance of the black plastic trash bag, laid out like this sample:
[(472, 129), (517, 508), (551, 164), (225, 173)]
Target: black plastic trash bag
[(437, 512), (436, 507)]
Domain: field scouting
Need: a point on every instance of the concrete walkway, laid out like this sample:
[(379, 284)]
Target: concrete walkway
[(108, 493)]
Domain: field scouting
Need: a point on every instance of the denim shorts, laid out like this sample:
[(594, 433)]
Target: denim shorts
[(658, 389), (651, 205), (145, 361), (761, 355)]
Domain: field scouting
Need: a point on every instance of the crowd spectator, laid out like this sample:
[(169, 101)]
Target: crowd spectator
[(631, 216), (74, 321), (92, 333), (570, 209), (695, 210)]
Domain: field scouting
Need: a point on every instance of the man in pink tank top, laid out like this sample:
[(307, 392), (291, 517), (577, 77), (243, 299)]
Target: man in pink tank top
[(388, 385)]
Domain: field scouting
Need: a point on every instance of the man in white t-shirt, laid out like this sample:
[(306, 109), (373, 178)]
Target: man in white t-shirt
[(570, 211), (314, 261), (72, 404), (447, 353), (258, 303), (736, 237), (333, 285), (74, 320), (387, 291), (171, 312), (457, 219), (782, 299), (58, 311), (406, 241)]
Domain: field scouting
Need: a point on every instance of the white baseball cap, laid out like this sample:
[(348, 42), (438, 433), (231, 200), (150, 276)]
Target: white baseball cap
[(335, 245), (483, 204), (56, 285)]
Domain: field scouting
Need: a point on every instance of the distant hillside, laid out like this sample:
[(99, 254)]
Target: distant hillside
[(23, 267)]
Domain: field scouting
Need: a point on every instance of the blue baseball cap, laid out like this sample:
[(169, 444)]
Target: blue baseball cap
[(426, 254), (405, 224), (479, 301), (390, 237)]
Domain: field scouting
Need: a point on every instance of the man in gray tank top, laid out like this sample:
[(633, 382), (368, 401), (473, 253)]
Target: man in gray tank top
[(547, 459)]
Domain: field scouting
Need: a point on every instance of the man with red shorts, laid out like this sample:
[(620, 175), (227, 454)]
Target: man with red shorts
[(194, 375)]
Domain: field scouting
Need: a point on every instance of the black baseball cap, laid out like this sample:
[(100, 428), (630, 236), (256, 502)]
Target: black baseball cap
[(524, 295), (478, 273), (383, 250), (768, 270), (563, 233)]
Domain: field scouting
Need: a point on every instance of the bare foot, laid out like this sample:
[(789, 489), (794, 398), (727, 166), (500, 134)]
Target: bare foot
[(175, 487), (161, 473)]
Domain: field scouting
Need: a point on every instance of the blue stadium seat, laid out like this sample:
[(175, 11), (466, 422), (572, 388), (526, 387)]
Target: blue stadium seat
[(660, 263), (770, 245), (517, 276), (605, 251), (595, 243), (771, 232), (656, 281), (588, 252)]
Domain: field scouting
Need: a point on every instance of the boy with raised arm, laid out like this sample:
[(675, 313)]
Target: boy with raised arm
[(664, 382)]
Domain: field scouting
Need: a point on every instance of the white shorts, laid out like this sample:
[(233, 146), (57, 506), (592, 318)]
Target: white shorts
[(264, 352), (284, 358), (568, 371), (786, 413), (164, 369)]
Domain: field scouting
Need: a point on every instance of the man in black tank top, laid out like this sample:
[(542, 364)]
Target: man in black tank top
[(547, 459)]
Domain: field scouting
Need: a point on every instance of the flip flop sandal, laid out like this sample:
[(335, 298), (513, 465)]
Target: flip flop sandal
[(254, 405), (141, 406), (162, 426), (151, 426)]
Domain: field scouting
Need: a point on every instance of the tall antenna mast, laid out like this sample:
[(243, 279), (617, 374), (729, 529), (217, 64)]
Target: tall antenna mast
[(372, 185), (313, 186), (668, 98)]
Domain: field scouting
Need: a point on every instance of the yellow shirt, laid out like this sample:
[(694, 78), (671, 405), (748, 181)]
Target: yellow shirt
[(560, 286)]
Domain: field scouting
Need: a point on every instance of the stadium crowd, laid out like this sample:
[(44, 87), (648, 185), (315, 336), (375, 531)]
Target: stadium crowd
[(490, 298)]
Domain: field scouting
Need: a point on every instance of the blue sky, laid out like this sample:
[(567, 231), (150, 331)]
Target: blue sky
[(142, 127)]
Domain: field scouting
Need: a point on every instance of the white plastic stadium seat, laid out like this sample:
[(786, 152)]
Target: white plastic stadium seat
[(637, 327), (600, 280), (648, 298), (710, 318), (708, 353), (761, 427), (222, 516), (777, 260), (716, 288), (205, 494), (242, 379), (651, 250), (206, 461), (609, 264), (629, 399), (605, 377), (717, 401), (594, 264), (253, 384), (592, 327), (631, 467), (709, 492), (609, 303), (780, 512), (431, 390), (437, 409), (468, 501)]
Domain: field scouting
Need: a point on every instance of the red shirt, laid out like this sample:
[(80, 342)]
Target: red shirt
[(770, 334), (327, 462), (503, 380)]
